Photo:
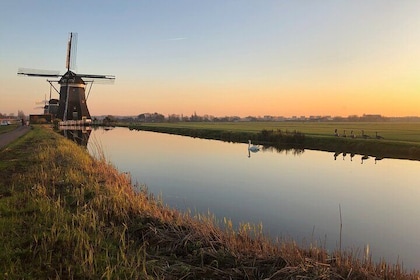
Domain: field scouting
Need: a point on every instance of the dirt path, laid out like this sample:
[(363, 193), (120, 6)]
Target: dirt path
[(8, 137)]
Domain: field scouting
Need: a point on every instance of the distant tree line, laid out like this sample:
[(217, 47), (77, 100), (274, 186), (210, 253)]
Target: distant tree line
[(173, 118), (20, 115), (158, 118)]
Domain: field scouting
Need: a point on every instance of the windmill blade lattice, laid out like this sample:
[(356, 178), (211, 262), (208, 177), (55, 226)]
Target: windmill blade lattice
[(71, 52), (38, 73)]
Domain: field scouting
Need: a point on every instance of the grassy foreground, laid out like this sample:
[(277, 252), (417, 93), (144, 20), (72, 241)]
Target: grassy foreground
[(66, 215), (395, 140)]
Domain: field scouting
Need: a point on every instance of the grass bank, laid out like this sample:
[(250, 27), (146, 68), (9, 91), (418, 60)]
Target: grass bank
[(7, 128), (64, 214), (395, 140)]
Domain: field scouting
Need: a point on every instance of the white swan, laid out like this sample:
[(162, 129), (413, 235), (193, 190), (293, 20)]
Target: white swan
[(252, 148)]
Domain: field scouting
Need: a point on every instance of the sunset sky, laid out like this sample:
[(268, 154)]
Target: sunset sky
[(220, 57)]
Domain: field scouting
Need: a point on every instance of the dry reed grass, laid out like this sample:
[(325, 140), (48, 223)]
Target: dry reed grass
[(73, 216)]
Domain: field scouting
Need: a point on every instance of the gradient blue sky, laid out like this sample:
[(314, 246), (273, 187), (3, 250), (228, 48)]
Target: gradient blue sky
[(231, 57)]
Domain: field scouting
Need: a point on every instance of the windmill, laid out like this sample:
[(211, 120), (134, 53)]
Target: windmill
[(72, 101)]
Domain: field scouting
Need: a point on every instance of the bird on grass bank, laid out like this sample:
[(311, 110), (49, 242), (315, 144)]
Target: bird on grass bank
[(365, 136)]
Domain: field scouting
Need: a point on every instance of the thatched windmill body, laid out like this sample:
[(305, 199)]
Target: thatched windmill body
[(72, 101)]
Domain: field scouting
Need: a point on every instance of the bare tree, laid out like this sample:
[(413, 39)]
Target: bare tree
[(21, 115)]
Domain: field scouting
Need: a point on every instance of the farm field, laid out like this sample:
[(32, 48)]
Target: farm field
[(391, 131)]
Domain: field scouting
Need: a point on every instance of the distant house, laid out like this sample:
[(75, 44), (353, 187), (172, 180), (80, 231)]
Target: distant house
[(372, 117), (6, 121)]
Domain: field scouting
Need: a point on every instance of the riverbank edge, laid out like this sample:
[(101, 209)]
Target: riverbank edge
[(65, 214), (377, 148)]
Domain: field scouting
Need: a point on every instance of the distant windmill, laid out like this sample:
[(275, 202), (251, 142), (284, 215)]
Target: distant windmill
[(50, 106), (72, 102)]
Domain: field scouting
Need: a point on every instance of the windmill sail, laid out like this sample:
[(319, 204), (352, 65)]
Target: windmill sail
[(94, 76), (38, 73), (71, 52)]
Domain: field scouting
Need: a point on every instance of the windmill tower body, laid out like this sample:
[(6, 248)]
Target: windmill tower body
[(72, 104)]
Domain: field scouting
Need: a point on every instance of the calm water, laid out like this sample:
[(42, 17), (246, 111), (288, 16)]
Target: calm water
[(293, 195)]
